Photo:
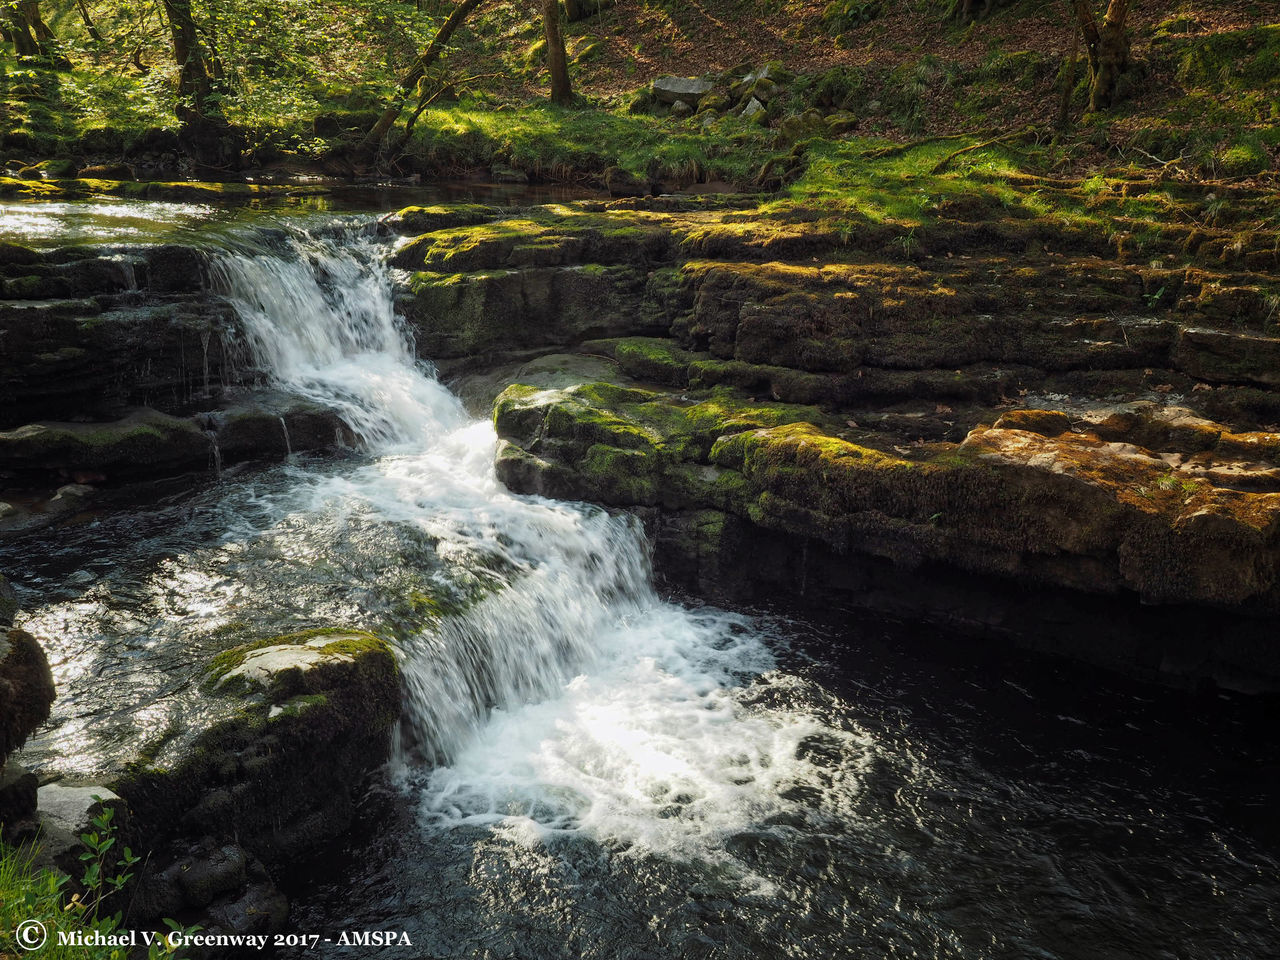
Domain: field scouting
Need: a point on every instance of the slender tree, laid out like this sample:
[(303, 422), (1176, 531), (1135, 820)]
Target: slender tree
[(1107, 48), (195, 86), (25, 28), (557, 60), (208, 136), (408, 85), (94, 35)]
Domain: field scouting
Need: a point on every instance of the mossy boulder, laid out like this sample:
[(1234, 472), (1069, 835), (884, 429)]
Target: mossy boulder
[(310, 718), (26, 689), (495, 314), (146, 441), (414, 221), (653, 359), (550, 237)]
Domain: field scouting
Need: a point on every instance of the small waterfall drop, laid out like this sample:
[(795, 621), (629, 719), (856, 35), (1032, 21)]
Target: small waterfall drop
[(284, 429), (564, 694)]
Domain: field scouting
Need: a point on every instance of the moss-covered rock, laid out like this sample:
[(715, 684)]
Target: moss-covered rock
[(144, 442), (311, 715), (493, 315), (26, 689), (414, 221)]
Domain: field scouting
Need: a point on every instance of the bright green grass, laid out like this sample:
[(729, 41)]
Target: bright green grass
[(549, 141)]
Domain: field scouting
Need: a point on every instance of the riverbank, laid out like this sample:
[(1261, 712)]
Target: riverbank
[(987, 397)]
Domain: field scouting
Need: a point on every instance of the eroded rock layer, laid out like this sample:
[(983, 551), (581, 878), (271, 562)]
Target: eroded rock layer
[(996, 422)]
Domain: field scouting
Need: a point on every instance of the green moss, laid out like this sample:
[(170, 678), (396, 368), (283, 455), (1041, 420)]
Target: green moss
[(647, 358), (347, 642), (1245, 157), (1229, 59), (417, 220), (621, 476), (145, 438)]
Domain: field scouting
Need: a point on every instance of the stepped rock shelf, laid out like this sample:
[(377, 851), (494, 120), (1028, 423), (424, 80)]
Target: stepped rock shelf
[(1005, 425)]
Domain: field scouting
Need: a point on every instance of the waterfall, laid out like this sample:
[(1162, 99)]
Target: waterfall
[(288, 447), (565, 694)]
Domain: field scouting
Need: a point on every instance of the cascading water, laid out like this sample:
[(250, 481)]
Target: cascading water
[(564, 694)]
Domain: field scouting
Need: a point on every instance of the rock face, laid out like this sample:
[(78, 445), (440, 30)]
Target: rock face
[(272, 783), (92, 332), (116, 364), (26, 695), (312, 717), (1004, 441), (67, 812), (681, 89), (8, 602)]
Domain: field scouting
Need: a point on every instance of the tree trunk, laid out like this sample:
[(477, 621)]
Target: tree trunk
[(557, 61), (193, 78), (20, 33), (205, 133), (30, 35), (409, 82), (1107, 48), (1113, 55), (94, 35)]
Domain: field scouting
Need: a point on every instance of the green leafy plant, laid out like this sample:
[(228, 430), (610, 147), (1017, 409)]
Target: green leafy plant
[(841, 15), (907, 242), (103, 877), (34, 897)]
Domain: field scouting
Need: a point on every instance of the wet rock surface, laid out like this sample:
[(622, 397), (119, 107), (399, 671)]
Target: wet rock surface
[(26, 688), (306, 719)]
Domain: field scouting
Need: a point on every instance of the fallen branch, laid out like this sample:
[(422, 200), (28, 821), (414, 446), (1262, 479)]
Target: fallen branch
[(1002, 139), (897, 149)]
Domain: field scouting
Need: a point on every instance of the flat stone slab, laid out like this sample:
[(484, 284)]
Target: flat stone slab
[(260, 667), (689, 89)]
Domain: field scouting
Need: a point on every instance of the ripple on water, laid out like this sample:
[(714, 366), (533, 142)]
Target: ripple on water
[(44, 223)]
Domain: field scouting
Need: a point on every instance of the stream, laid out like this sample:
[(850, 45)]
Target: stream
[(587, 768)]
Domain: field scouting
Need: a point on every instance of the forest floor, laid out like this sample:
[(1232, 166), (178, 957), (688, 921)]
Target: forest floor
[(1200, 101)]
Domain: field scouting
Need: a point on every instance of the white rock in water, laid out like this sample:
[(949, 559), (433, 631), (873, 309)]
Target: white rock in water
[(671, 89), (262, 665)]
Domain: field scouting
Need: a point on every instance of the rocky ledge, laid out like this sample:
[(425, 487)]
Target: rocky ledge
[(1000, 423), (305, 719), (117, 364)]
